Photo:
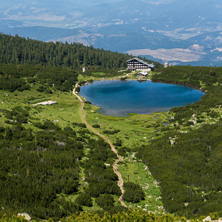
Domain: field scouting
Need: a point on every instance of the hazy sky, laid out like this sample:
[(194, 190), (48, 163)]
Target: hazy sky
[(68, 12)]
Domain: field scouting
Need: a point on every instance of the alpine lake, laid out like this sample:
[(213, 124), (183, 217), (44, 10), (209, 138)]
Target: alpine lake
[(120, 98)]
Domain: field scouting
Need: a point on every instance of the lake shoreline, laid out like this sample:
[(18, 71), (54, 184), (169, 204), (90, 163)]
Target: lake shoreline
[(119, 98), (179, 83), (150, 79)]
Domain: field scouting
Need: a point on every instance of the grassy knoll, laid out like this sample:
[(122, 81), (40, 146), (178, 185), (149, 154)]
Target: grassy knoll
[(137, 172), (106, 74), (63, 113), (132, 130), (127, 133), (123, 75)]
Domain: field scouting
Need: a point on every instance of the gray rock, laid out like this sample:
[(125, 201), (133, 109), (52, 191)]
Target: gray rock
[(25, 215), (207, 219)]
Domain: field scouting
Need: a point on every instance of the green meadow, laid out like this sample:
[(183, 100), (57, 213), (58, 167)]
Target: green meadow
[(132, 131), (63, 113), (128, 133)]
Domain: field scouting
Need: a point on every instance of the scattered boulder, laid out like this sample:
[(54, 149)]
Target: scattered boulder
[(25, 215), (60, 143), (207, 219)]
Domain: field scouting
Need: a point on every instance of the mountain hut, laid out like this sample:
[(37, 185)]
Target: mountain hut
[(136, 64)]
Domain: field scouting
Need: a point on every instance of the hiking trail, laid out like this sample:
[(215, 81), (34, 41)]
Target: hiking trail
[(119, 158)]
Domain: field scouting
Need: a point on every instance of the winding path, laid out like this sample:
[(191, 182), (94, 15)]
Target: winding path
[(119, 158)]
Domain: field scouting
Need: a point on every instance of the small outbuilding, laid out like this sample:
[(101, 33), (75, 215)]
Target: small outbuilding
[(165, 65), (142, 74), (137, 64)]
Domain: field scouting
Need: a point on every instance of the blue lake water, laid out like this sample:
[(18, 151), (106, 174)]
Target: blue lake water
[(118, 98)]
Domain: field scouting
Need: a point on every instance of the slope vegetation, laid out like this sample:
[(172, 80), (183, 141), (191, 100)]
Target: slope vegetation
[(186, 160)]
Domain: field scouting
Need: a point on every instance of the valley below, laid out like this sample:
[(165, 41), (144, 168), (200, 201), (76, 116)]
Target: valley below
[(167, 31)]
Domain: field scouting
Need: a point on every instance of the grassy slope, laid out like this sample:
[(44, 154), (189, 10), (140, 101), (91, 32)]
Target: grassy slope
[(134, 130), (64, 112)]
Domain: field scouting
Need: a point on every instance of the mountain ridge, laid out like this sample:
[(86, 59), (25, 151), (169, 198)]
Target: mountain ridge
[(120, 25)]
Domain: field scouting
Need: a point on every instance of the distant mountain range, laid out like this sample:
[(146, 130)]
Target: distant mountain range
[(174, 31)]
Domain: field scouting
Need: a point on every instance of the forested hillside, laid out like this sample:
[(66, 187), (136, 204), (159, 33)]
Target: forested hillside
[(187, 159), (31, 52), (21, 77), (27, 51)]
